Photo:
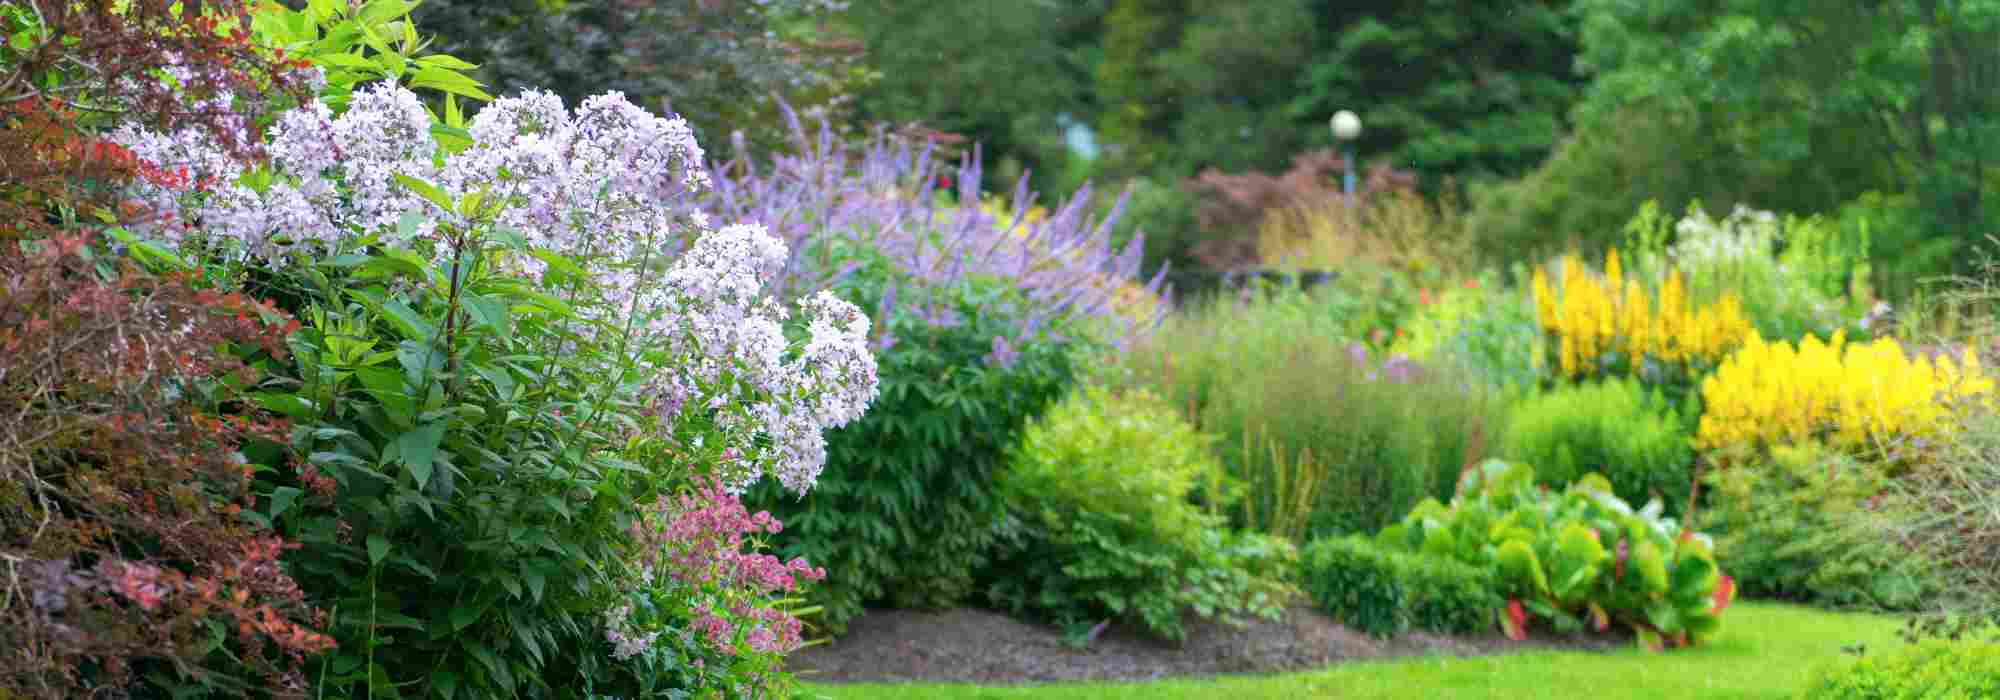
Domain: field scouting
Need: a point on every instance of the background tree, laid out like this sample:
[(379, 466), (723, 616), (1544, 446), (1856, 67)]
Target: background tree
[(1802, 107)]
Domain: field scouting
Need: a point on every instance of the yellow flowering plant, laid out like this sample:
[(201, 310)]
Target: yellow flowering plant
[(1860, 396), (1612, 325)]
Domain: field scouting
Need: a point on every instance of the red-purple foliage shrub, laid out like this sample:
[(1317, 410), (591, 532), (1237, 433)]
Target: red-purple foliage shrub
[(1231, 205), (73, 69), (122, 484)]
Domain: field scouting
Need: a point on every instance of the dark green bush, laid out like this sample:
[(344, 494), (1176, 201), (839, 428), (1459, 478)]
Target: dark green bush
[(1933, 670), (1385, 592), (906, 508), (1614, 428), (1325, 438), (1799, 527), (1102, 491)]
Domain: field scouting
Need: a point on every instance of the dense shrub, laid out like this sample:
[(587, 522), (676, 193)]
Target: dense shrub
[(1103, 490), (1385, 592), (907, 507), (1612, 427), (123, 489), (1863, 396), (1933, 669), (1814, 525), (1575, 558), (1325, 438)]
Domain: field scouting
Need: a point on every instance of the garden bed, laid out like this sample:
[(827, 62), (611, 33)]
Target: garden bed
[(989, 648)]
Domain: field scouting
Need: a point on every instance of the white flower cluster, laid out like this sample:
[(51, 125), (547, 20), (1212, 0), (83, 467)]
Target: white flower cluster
[(1745, 236), (603, 185), (727, 343)]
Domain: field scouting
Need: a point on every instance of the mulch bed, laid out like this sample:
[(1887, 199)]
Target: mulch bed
[(988, 648)]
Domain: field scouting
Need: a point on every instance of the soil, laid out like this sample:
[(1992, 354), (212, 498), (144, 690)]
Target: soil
[(989, 648)]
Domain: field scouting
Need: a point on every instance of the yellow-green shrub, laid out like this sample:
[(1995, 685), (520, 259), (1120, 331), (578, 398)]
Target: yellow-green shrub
[(1869, 395), (1931, 671)]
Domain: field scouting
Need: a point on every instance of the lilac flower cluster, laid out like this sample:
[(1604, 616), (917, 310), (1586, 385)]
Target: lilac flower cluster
[(881, 194), (691, 550), (607, 186)]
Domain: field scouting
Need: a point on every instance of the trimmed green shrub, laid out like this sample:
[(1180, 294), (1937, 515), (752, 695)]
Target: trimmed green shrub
[(906, 507), (1576, 558), (1614, 428), (1385, 592), (1932, 670), (1105, 525), (1800, 527)]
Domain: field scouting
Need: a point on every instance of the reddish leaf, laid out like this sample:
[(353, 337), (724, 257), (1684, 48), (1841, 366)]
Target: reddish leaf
[(1725, 592), (1515, 620)]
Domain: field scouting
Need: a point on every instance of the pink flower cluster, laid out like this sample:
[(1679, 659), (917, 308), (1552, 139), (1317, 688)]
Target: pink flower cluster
[(693, 546)]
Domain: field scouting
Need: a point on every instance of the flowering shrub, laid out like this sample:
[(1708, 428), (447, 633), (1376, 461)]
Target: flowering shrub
[(1611, 325), (1793, 276), (528, 330), (706, 609), (126, 517), (1854, 396), (976, 313)]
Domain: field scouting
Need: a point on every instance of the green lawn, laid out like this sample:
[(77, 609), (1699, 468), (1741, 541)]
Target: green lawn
[(1765, 651)]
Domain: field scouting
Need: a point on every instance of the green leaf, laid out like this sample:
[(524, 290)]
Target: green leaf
[(428, 191), (282, 499), (377, 549), (448, 82), (418, 450), (444, 684)]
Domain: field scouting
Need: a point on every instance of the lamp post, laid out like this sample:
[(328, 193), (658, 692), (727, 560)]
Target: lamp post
[(1346, 128)]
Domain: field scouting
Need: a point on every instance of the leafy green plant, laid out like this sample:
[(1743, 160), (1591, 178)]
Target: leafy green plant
[(1385, 592), (1274, 376), (1102, 491), (1576, 558), (906, 508), (1816, 525), (1612, 427), (1933, 669)]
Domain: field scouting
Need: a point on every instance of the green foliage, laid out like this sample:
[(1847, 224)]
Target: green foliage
[(469, 491), (1484, 327), (356, 43), (1612, 427), (1325, 439), (1727, 101), (1930, 670), (1102, 490), (906, 508), (1190, 84), (1385, 592), (717, 64), (1809, 525), (1576, 558)]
